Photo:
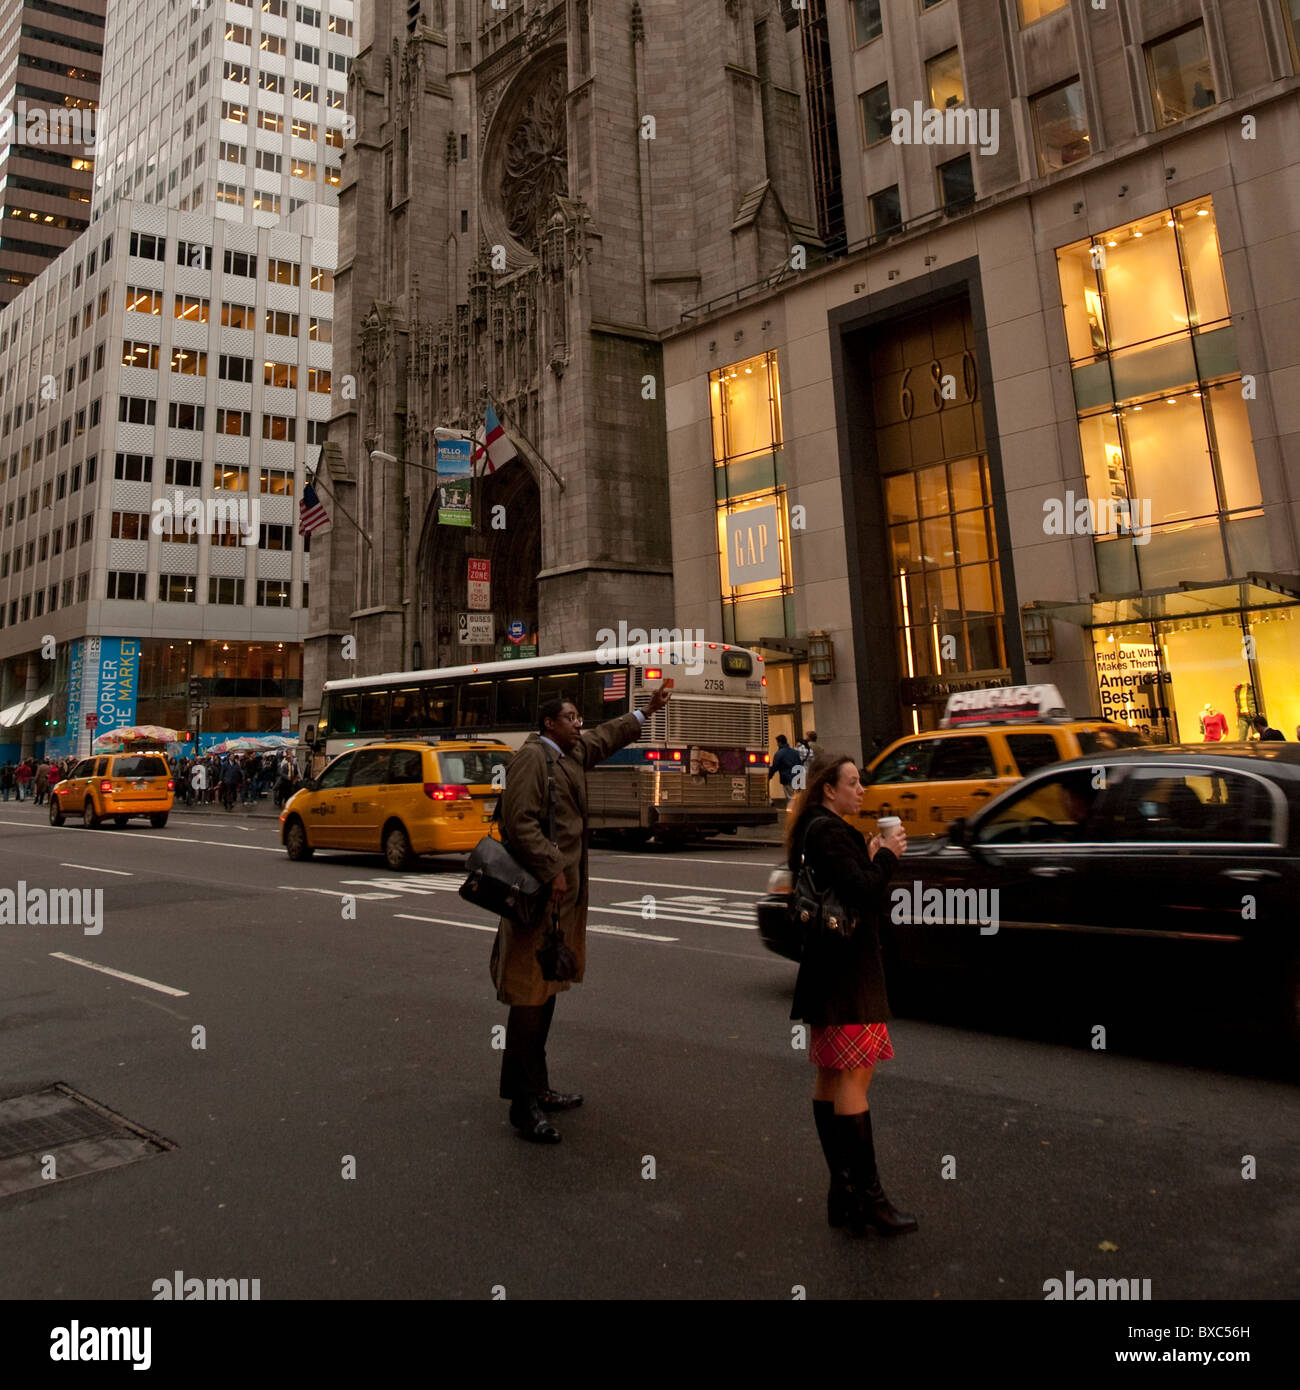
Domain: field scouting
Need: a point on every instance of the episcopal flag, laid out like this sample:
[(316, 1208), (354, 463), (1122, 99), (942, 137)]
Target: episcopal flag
[(615, 686), (492, 446), (311, 515)]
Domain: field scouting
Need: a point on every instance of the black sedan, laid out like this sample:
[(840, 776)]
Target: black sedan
[(1182, 862)]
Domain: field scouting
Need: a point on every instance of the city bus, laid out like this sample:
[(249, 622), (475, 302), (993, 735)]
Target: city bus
[(700, 767)]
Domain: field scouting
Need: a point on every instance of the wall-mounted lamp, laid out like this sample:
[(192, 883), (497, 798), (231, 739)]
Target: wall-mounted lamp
[(1123, 189), (893, 275), (713, 345), (1078, 208), (859, 287), (767, 323), (417, 656), (1040, 644), (1169, 173), (930, 260), (821, 658)]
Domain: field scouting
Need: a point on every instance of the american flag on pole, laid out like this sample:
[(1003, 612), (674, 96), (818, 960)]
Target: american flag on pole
[(311, 515), (615, 686), (492, 446)]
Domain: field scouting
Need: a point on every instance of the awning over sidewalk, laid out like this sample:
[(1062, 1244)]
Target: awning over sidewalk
[(1187, 600), (18, 714)]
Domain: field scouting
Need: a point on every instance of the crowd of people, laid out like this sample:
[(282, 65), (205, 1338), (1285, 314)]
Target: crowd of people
[(246, 778)]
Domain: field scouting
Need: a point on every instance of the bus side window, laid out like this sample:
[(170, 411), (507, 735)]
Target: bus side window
[(595, 707), (408, 709), (516, 702), (476, 704), (344, 707), (565, 685), (374, 712), (440, 706)]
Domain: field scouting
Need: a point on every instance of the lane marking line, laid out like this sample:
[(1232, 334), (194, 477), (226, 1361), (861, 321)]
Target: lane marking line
[(674, 917), (444, 921), (95, 869), (474, 926), (335, 893), (147, 835), (121, 975), (695, 887)]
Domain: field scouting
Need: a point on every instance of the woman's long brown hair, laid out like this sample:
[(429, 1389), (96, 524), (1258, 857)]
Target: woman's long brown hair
[(825, 772)]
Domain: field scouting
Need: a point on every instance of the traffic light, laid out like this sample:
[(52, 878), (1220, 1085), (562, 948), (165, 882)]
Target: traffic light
[(195, 687)]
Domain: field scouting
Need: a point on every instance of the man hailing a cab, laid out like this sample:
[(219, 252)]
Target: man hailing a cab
[(544, 822)]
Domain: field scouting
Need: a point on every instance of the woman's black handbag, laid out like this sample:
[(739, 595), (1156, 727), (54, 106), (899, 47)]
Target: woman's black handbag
[(816, 912), (499, 883)]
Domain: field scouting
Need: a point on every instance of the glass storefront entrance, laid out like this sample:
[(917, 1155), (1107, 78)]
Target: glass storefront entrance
[(1194, 679)]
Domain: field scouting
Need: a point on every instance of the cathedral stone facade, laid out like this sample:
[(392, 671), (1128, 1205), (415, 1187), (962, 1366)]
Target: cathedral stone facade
[(535, 193)]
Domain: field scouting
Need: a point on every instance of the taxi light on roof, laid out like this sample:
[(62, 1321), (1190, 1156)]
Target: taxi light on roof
[(1002, 704), (652, 673)]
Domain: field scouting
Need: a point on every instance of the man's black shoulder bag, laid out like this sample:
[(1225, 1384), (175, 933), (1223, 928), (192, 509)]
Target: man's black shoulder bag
[(498, 881)]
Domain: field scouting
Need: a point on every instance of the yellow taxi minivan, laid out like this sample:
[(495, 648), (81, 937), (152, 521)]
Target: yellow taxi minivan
[(400, 800), (987, 741), (120, 785)]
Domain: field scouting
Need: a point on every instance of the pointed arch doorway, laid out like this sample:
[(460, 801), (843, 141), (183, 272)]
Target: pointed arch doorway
[(514, 547)]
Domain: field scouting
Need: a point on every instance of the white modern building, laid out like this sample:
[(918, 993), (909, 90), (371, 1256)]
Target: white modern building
[(167, 380)]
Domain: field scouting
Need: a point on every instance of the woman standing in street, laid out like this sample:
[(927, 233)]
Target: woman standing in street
[(840, 991)]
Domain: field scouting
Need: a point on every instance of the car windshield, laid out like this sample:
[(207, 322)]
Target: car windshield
[(140, 766), (473, 767)]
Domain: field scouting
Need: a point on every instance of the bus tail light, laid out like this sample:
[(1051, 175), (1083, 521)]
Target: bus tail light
[(654, 755), (753, 757), (677, 755), (653, 673), (446, 791), (763, 678)]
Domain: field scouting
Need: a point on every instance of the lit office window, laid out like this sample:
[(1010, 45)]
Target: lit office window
[(1060, 127), (1179, 71)]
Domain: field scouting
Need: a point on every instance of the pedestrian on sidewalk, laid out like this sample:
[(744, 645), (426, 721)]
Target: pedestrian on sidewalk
[(544, 822), (7, 780), (784, 762), (42, 781), (24, 778), (840, 989)]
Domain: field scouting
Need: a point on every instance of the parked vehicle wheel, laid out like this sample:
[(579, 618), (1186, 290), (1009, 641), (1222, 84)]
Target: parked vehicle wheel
[(90, 816), (397, 846), (158, 819), (56, 815), (295, 840), (121, 820)]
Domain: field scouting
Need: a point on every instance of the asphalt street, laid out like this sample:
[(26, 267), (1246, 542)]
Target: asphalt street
[(334, 1045)]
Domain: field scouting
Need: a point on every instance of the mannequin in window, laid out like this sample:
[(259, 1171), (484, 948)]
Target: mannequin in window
[(1247, 709), (1214, 726)]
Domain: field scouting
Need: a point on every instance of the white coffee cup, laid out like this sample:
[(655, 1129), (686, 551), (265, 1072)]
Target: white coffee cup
[(886, 825)]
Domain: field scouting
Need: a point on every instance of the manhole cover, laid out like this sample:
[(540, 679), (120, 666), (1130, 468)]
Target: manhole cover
[(52, 1135)]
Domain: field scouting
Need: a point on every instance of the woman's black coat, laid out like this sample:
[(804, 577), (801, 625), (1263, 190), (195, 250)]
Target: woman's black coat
[(843, 980)]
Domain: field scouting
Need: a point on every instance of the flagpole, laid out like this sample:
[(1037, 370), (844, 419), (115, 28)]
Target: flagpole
[(312, 481)]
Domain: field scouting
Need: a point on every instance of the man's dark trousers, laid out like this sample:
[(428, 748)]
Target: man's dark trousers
[(523, 1067)]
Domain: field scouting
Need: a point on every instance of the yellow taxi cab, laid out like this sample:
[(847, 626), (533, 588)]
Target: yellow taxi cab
[(987, 741), (120, 785), (399, 799)]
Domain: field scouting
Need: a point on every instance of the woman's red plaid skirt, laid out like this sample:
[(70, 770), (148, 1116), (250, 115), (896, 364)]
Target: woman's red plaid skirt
[(844, 1047)]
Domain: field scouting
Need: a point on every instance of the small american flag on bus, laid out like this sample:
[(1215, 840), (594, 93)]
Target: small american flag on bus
[(615, 686)]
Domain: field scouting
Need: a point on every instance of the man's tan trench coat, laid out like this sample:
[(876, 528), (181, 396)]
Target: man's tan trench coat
[(515, 970)]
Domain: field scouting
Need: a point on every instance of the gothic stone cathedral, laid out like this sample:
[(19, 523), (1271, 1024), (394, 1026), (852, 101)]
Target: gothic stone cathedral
[(537, 189)]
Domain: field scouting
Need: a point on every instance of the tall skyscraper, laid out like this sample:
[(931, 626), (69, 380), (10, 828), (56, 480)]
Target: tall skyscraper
[(49, 96), (167, 380)]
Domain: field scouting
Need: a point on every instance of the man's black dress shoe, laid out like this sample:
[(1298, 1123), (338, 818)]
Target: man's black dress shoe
[(551, 1101), (527, 1118)]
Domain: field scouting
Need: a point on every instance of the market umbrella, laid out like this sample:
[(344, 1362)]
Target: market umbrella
[(233, 745), (136, 733), (270, 741)]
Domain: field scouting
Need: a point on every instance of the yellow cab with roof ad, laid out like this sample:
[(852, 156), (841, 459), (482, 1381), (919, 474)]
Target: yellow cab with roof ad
[(120, 785), (987, 741), (400, 799)]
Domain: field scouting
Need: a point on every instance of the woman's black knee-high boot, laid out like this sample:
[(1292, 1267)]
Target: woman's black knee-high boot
[(870, 1206), (838, 1199)]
